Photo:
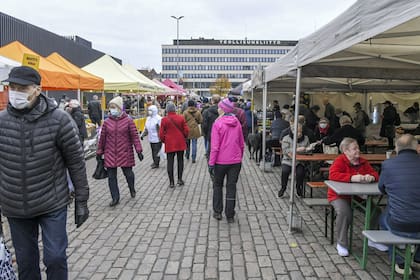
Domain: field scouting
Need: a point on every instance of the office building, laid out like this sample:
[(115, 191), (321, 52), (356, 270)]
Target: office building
[(202, 61)]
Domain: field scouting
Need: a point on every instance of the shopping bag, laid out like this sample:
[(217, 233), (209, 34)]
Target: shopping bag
[(100, 171), (6, 267), (162, 153)]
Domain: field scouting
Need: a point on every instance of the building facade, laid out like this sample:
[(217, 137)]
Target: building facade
[(199, 62)]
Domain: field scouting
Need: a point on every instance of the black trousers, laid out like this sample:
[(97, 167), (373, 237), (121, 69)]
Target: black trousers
[(155, 152), (231, 171), (300, 174), (170, 166), (113, 182)]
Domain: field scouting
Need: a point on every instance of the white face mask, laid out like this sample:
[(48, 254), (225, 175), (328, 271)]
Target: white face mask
[(322, 125), (114, 112), (18, 99)]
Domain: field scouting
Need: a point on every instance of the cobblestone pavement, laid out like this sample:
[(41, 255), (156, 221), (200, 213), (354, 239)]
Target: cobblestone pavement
[(170, 234)]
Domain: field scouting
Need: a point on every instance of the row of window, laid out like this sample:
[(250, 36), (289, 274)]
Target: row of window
[(220, 59), (207, 76), (224, 51), (210, 67)]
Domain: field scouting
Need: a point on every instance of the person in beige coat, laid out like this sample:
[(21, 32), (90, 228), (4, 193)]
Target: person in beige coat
[(193, 117)]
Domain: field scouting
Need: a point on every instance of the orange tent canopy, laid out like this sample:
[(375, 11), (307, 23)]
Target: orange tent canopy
[(87, 81), (53, 76)]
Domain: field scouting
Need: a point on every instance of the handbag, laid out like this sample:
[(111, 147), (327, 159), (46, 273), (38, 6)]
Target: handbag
[(6, 267), (100, 171)]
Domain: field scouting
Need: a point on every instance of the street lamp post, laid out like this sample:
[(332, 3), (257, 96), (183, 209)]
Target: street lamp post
[(177, 46)]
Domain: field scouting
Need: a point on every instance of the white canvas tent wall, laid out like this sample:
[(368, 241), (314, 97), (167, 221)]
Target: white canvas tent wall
[(6, 65), (116, 78), (373, 46)]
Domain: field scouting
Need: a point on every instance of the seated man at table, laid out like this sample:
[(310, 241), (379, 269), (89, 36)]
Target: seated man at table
[(346, 130), (347, 167), (400, 179)]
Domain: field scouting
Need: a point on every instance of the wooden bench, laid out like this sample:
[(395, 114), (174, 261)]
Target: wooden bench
[(388, 238), (315, 185), (277, 150), (329, 209)]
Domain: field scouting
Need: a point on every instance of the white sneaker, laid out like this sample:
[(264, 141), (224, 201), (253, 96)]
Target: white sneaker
[(399, 268), (342, 251), (378, 246)]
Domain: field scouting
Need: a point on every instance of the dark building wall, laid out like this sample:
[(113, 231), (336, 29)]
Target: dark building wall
[(45, 42)]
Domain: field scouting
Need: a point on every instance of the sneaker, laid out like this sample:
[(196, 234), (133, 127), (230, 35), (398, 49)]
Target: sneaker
[(180, 182), (171, 185), (154, 166), (193, 161), (399, 268), (230, 220), (342, 251), (217, 216), (378, 246)]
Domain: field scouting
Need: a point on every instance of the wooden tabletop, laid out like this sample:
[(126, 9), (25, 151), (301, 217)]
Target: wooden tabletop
[(323, 157), (372, 143)]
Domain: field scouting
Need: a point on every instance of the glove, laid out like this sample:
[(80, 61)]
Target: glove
[(211, 171), (98, 157), (141, 137), (140, 155), (81, 212)]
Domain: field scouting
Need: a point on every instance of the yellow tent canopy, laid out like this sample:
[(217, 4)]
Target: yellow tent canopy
[(53, 76), (87, 81)]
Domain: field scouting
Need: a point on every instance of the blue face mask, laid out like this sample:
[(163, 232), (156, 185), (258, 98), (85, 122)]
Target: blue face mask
[(114, 112)]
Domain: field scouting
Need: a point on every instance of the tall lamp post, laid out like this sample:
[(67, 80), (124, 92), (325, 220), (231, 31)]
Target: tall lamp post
[(177, 46)]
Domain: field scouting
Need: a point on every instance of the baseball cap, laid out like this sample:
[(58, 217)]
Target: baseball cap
[(24, 75)]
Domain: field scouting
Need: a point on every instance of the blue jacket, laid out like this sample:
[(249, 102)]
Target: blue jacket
[(400, 179)]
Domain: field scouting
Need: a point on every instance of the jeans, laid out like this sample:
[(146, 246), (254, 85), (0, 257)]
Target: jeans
[(191, 143), (113, 183), (170, 166), (155, 152), (206, 145), (231, 171), (54, 238), (383, 224)]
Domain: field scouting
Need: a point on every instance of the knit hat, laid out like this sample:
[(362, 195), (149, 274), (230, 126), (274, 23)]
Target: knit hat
[(117, 101), (226, 106), (170, 107), (74, 103)]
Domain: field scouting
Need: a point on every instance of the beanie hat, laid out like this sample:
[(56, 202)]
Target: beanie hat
[(170, 107), (226, 106), (117, 101), (74, 103)]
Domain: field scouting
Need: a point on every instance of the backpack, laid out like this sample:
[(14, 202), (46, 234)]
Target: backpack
[(366, 118)]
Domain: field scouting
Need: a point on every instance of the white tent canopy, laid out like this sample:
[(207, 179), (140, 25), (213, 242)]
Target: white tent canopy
[(150, 84), (6, 65), (116, 78), (373, 46)]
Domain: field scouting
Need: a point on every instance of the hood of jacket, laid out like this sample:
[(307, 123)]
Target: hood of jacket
[(154, 110), (42, 106), (230, 120), (192, 110), (213, 110)]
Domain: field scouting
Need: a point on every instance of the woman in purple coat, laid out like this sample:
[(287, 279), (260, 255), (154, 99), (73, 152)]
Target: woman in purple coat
[(118, 136)]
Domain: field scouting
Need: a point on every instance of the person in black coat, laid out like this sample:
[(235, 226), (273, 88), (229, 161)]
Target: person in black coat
[(95, 111), (389, 117), (76, 113), (346, 130), (311, 118), (209, 117)]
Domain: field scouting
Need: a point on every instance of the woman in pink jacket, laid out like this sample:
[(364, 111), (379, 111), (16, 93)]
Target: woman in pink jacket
[(227, 148), (118, 136)]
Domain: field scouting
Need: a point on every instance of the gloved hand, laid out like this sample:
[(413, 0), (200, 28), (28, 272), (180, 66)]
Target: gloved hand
[(211, 171), (98, 157), (81, 212), (141, 137), (140, 155)]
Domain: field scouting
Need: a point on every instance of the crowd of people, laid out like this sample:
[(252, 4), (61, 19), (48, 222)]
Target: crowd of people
[(42, 149)]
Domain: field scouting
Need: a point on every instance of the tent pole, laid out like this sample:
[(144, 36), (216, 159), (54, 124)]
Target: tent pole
[(103, 110), (79, 96), (264, 124), (295, 128), (252, 110)]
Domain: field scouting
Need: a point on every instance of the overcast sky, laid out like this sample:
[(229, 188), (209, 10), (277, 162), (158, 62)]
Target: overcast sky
[(135, 30)]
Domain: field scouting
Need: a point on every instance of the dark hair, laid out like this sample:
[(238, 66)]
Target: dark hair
[(191, 103), (315, 108)]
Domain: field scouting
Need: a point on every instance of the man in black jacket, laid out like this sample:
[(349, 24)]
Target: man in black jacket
[(95, 111), (346, 130), (209, 117), (38, 144), (400, 179)]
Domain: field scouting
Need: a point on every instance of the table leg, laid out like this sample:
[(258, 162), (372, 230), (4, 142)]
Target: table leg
[(367, 226)]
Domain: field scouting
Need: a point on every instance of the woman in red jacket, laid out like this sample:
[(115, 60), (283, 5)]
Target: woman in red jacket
[(118, 136), (347, 167), (173, 132)]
